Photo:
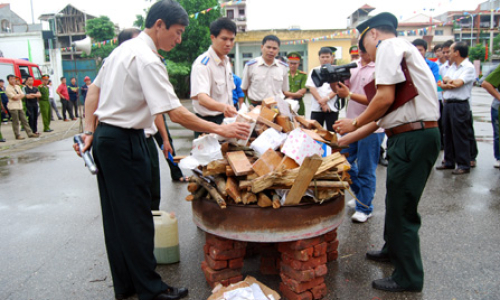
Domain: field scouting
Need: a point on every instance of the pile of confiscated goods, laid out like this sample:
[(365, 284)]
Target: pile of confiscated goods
[(283, 162)]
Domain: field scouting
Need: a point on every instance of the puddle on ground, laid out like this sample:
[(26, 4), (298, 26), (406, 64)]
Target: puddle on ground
[(26, 158)]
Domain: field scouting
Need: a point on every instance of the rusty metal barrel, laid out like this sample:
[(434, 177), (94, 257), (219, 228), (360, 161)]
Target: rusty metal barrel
[(251, 223)]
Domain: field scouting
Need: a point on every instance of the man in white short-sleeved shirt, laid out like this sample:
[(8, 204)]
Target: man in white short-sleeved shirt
[(212, 81), (265, 76), (457, 88), (412, 147), (132, 88)]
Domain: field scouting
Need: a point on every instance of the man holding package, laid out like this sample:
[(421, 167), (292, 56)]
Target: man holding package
[(265, 76), (131, 88), (211, 76), (408, 113)]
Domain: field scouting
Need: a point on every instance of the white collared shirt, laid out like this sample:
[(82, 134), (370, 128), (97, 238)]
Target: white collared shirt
[(212, 76), (466, 72), (425, 106), (262, 81), (134, 85), (323, 91)]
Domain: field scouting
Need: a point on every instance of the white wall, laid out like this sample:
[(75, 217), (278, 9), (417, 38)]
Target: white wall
[(15, 45)]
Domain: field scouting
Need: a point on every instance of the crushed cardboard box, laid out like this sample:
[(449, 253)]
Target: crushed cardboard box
[(248, 289)]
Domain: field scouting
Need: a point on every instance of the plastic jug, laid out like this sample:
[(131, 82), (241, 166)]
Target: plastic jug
[(166, 237)]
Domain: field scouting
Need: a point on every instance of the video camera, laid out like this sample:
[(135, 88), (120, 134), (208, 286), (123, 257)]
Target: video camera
[(330, 74)]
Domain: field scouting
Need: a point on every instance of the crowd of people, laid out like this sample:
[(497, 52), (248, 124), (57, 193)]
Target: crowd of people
[(22, 103)]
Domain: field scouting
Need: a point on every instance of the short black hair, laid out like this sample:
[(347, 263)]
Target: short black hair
[(126, 34), (448, 43), (1, 80), (222, 23), (28, 77), (169, 11), (325, 50), (62, 78), (462, 48), (9, 76), (420, 42), (271, 38), (438, 47), (72, 78)]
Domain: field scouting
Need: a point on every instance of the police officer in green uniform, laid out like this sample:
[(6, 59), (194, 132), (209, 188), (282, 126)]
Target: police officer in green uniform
[(44, 103), (297, 80), (412, 147)]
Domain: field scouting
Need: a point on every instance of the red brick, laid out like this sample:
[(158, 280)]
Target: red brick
[(332, 246), (236, 279), (333, 256), (215, 264), (302, 255), (236, 263), (220, 243), (240, 245), (303, 244), (302, 276), (214, 276), (330, 236), (304, 265), (320, 249), (291, 295), (218, 254), (206, 248), (298, 286), (319, 291), (320, 271)]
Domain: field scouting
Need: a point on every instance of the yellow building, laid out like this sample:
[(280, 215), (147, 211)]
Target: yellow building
[(306, 42)]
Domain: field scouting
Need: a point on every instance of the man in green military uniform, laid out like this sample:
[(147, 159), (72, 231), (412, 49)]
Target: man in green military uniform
[(297, 80), (44, 103), (412, 147)]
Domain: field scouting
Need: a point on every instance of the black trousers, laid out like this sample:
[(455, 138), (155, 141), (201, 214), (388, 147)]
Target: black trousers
[(216, 119), (32, 113), (472, 139), (67, 106), (457, 127), (328, 117), (155, 174), (124, 180), (440, 123), (75, 106), (175, 171)]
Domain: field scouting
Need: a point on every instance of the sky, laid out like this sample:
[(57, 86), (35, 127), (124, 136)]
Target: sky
[(261, 14)]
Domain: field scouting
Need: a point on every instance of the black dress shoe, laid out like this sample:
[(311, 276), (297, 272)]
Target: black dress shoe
[(444, 167), (378, 256), (123, 296), (172, 294), (388, 284)]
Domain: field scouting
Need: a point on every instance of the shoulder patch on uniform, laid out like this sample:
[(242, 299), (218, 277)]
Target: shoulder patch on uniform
[(253, 61), (205, 60), (283, 63)]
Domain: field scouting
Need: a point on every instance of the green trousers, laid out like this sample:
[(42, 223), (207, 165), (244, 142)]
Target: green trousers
[(302, 108), (411, 157), (45, 112)]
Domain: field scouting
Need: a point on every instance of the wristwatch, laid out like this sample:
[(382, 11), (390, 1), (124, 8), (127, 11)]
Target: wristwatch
[(355, 123), (88, 132)]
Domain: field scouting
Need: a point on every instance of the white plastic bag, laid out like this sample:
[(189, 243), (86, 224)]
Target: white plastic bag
[(205, 149), (270, 138)]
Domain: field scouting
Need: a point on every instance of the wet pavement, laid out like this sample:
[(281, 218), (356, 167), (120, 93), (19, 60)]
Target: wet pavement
[(52, 244)]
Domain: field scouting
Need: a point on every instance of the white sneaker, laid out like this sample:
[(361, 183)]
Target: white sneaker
[(497, 164), (360, 217), (351, 203)]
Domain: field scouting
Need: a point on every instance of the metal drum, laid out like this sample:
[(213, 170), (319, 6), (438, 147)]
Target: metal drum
[(251, 223)]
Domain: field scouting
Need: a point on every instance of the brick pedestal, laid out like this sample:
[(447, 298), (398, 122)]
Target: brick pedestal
[(300, 264)]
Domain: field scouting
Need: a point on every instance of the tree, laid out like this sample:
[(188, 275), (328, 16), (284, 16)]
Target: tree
[(496, 44), (477, 52), (101, 29)]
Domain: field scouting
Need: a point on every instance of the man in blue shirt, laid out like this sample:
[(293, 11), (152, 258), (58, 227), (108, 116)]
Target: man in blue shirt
[(238, 95), (73, 94), (422, 48)]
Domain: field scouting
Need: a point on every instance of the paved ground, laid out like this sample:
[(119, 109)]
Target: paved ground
[(52, 242)]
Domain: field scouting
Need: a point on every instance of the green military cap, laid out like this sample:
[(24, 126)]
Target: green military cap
[(354, 50), (382, 19), (327, 50), (294, 56), (45, 76)]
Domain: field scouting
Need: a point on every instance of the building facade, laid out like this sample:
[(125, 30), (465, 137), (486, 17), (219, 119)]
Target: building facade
[(237, 12)]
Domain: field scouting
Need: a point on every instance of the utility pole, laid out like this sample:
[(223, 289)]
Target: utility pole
[(491, 31)]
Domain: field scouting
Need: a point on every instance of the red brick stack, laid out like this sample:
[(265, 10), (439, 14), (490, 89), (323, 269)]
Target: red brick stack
[(223, 260), (303, 266)]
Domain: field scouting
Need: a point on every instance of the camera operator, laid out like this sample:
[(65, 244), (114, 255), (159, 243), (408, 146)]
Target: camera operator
[(323, 104), (363, 154)]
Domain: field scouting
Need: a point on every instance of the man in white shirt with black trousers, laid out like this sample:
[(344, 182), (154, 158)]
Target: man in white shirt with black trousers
[(131, 88)]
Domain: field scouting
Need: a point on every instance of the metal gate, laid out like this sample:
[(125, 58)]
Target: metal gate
[(84, 67)]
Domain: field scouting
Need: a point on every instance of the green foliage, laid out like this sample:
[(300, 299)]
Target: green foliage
[(477, 52), (100, 29), (178, 74), (496, 44)]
